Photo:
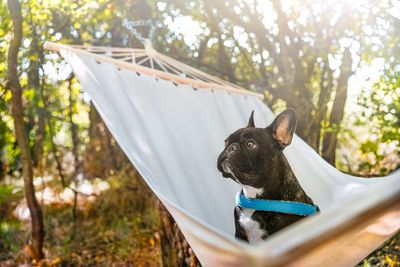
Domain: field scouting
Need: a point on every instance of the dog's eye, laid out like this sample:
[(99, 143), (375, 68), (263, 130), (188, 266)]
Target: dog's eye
[(250, 144), (226, 142)]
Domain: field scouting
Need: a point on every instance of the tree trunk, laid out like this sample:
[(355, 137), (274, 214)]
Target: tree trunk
[(103, 155), (225, 70), (17, 113), (223, 61), (313, 130), (337, 113), (37, 111), (175, 249), (73, 128), (56, 155)]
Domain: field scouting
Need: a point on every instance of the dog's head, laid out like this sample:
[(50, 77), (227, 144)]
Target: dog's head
[(250, 152)]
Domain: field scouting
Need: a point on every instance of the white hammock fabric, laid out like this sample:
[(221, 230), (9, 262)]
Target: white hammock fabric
[(173, 134)]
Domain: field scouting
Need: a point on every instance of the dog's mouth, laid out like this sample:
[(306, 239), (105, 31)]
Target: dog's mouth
[(228, 172), (226, 169)]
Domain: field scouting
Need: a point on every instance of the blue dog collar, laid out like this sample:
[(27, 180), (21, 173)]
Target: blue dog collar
[(289, 207)]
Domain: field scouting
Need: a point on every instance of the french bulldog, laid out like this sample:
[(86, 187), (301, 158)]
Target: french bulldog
[(253, 157)]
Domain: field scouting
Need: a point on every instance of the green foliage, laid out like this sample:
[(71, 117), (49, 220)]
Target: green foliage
[(369, 146), (10, 231), (9, 227), (8, 193), (381, 116)]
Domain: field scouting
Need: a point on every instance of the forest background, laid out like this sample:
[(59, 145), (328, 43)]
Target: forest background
[(68, 194)]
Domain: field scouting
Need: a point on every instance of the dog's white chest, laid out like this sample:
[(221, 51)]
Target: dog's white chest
[(253, 231)]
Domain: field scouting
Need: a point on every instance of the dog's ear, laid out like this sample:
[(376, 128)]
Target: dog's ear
[(283, 128), (251, 120)]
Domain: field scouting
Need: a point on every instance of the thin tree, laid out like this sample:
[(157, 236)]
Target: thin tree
[(13, 84)]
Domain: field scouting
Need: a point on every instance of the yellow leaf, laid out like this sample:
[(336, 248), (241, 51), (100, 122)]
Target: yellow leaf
[(391, 262), (8, 95), (56, 261)]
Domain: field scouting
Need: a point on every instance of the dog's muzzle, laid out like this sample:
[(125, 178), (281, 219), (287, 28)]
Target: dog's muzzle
[(223, 165), (226, 171)]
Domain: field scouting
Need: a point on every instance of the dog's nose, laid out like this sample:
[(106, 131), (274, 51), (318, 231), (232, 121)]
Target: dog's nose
[(221, 158)]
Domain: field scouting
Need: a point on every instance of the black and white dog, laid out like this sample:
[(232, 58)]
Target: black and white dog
[(253, 157)]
